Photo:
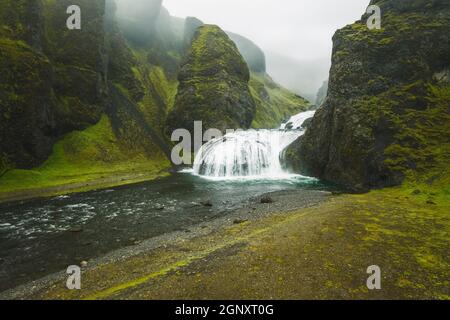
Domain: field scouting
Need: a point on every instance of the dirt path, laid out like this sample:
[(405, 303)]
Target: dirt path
[(314, 253)]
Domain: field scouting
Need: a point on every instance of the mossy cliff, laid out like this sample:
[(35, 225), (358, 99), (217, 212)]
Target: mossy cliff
[(61, 118), (386, 117), (213, 85), (53, 81)]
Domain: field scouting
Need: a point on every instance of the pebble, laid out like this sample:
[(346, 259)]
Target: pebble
[(206, 203), (266, 199), (76, 229)]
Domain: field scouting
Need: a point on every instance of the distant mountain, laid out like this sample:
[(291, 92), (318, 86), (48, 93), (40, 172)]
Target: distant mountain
[(252, 54), (303, 77)]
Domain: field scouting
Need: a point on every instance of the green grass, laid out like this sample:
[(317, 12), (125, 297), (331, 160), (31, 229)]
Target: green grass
[(273, 103), (84, 156)]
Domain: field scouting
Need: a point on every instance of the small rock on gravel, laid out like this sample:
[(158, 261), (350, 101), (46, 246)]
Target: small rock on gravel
[(206, 203), (266, 199), (239, 221)]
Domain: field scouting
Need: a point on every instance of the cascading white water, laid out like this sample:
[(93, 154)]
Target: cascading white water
[(250, 153), (296, 122)]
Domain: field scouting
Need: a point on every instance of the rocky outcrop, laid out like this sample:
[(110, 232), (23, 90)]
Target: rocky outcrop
[(386, 116), (53, 81), (213, 85)]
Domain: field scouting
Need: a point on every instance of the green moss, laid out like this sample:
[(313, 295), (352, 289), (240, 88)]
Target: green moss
[(11, 19), (84, 156), (213, 85)]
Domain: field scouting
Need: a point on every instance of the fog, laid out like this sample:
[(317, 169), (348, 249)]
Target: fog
[(294, 34)]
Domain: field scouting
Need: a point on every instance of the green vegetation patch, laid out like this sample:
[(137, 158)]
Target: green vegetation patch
[(274, 104), (83, 156)]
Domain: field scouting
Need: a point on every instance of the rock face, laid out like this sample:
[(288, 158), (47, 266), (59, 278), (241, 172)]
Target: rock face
[(213, 85), (386, 116), (53, 81)]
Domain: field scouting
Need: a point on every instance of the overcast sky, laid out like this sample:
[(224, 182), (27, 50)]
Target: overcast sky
[(300, 29)]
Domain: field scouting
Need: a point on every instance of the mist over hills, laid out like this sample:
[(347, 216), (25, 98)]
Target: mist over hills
[(303, 77)]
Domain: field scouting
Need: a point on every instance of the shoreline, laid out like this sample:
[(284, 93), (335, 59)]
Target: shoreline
[(111, 181), (253, 212)]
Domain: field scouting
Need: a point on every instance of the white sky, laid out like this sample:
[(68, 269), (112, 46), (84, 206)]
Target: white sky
[(300, 29)]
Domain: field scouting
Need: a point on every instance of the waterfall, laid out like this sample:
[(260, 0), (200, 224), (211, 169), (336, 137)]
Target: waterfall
[(249, 153), (296, 122)]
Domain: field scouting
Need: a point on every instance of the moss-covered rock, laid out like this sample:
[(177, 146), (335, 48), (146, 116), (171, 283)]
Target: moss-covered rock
[(55, 93), (213, 85), (386, 116), (53, 80)]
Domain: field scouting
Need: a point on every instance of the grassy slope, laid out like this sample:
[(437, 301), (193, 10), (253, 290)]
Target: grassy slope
[(157, 83), (83, 156), (274, 104)]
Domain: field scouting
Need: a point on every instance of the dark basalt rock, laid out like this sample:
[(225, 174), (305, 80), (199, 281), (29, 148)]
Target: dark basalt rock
[(386, 101), (52, 82), (266, 199)]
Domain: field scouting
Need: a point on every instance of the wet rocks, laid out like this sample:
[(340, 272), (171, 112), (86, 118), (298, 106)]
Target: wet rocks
[(266, 199), (206, 203), (239, 221), (76, 229)]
